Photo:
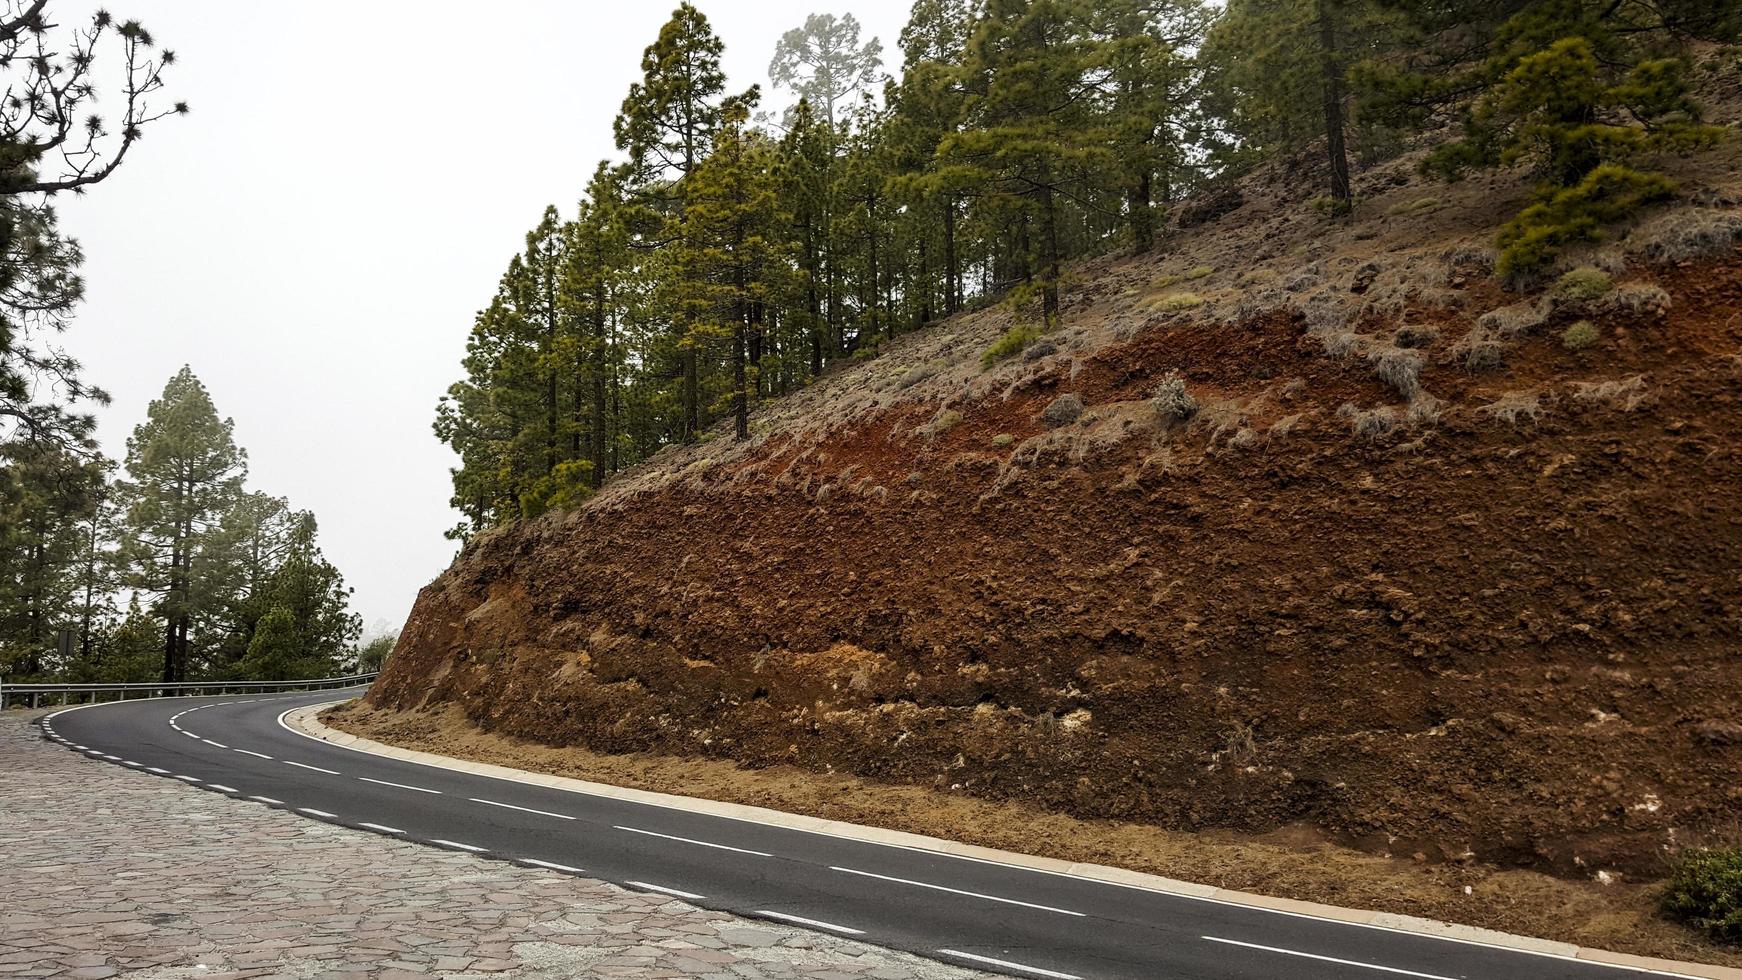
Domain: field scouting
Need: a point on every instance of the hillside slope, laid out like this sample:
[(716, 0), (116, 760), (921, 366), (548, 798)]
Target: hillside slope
[(1415, 573)]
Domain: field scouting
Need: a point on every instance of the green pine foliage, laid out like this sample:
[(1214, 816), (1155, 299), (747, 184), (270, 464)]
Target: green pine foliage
[(170, 570), (1581, 92), (722, 261)]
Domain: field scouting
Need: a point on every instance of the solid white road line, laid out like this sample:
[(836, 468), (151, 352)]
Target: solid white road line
[(330, 772), (385, 830), (663, 889), (222, 789), (383, 782), (522, 809), (317, 813), (220, 745), (813, 923), (687, 840), (1006, 964), (455, 843), (956, 891), (1330, 959), (257, 755), (554, 867), (267, 799)]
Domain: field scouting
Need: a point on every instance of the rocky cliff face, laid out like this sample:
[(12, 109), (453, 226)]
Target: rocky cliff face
[(1292, 525)]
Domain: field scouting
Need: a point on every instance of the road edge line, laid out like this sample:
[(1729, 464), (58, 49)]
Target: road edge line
[(303, 720)]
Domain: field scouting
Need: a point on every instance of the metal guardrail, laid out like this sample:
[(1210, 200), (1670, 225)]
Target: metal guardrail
[(10, 693)]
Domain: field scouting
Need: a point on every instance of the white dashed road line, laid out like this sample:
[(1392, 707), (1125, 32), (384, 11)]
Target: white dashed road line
[(554, 867), (456, 844), (383, 782), (188, 779), (267, 799), (384, 830), (317, 813), (330, 772), (1006, 964), (1329, 959), (257, 755), (687, 840), (662, 889), (522, 809), (220, 745), (222, 789), (160, 772), (956, 891), (813, 923)]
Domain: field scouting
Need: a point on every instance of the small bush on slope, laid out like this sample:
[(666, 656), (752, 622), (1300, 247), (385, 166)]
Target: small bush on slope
[(1705, 891), (1014, 341), (1580, 335)]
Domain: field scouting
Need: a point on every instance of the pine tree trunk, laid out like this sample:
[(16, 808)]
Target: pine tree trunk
[(601, 354), (871, 235), (952, 269), (1049, 293), (1342, 197), (812, 301), (1142, 214)]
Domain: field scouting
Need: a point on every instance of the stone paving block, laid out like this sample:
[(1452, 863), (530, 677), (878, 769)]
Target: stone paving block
[(158, 880)]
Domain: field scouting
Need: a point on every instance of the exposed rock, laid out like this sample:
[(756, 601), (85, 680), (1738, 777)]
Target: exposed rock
[(1063, 410)]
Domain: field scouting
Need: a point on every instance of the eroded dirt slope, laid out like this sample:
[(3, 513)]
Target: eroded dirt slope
[(1414, 574)]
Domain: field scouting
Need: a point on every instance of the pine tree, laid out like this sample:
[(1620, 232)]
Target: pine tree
[(730, 254), (48, 494), (1032, 140), (184, 473), (306, 629), (1280, 76), (824, 62), (1574, 88), (666, 125)]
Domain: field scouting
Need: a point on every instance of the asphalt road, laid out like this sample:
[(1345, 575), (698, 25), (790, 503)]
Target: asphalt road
[(995, 917)]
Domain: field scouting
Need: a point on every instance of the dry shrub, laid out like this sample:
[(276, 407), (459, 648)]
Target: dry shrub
[(1171, 399), (1424, 409), (1371, 424), (1514, 408), (1478, 351), (1398, 367), (1515, 320), (1416, 335), (1639, 299), (1283, 426), (1340, 344), (1686, 234), (1626, 394)]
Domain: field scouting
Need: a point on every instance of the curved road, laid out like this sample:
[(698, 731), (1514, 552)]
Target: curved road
[(969, 912)]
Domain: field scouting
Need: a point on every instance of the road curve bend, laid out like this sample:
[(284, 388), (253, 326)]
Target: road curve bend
[(996, 917)]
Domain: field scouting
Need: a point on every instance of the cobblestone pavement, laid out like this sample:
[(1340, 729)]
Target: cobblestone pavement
[(106, 872)]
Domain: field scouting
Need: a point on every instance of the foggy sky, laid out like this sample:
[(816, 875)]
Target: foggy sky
[(314, 237)]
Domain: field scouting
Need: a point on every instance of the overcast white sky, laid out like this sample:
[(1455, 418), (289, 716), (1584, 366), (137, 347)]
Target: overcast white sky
[(315, 235)]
